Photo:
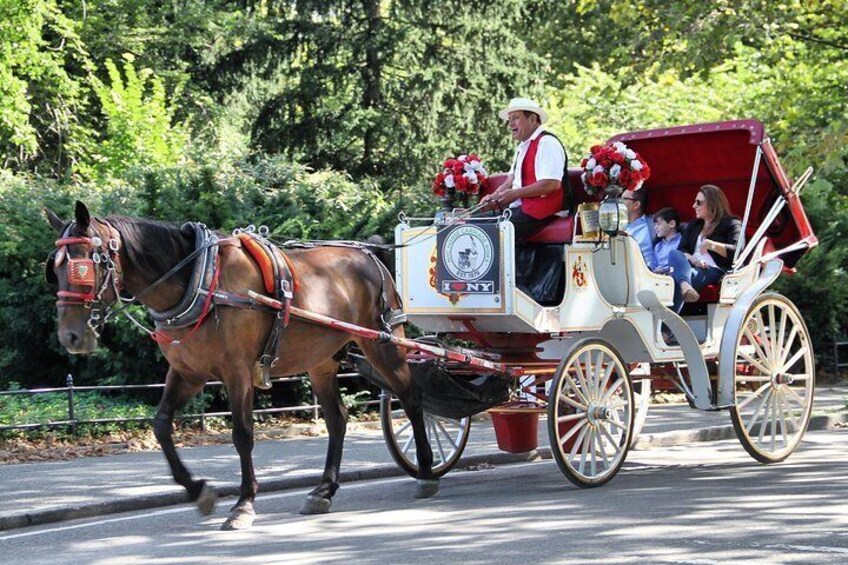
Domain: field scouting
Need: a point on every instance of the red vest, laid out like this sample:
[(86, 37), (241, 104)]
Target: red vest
[(539, 207)]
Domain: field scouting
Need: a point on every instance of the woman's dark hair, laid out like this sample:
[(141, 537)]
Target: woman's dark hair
[(669, 215)]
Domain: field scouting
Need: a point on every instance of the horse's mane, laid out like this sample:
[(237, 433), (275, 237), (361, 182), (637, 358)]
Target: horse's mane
[(154, 246)]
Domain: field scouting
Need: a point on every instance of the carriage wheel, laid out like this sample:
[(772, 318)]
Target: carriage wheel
[(447, 437), (590, 415), (774, 379)]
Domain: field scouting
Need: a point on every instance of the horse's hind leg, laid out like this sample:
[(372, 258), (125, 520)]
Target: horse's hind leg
[(325, 386), (240, 391), (389, 361), (178, 391)]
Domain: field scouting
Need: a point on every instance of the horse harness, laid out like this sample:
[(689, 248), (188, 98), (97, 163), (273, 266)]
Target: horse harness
[(102, 270)]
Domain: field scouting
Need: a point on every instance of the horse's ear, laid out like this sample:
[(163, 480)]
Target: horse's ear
[(55, 221), (82, 216)]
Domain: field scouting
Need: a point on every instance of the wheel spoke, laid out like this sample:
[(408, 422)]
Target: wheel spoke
[(408, 443), (753, 361), (765, 418), (573, 403), (448, 436), (594, 458), (599, 370), (607, 375), (772, 334), (755, 415), (752, 339), (618, 425), (581, 377), (754, 395), (766, 343), (577, 443), (798, 354), (783, 418), (585, 451), (608, 394), (615, 444), (577, 391), (576, 428), (753, 378), (796, 397), (571, 417), (603, 449), (787, 346), (438, 441)]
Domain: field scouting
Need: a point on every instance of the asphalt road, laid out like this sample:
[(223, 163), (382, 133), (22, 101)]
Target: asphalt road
[(696, 504)]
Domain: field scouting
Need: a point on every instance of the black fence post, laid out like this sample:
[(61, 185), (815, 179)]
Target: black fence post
[(69, 381)]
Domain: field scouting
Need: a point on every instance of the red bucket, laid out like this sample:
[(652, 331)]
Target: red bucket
[(517, 431)]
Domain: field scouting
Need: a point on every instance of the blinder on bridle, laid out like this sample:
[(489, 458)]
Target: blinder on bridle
[(102, 264)]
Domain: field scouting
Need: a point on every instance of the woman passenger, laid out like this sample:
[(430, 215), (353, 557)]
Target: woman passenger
[(706, 247)]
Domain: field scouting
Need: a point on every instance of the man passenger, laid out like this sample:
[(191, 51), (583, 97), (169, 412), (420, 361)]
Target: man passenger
[(639, 224), (533, 190)]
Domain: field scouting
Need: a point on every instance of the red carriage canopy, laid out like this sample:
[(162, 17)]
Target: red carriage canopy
[(684, 158)]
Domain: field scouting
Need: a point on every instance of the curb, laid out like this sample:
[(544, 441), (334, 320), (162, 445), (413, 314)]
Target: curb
[(143, 502)]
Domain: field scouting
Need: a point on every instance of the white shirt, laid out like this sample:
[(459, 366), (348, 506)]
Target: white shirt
[(705, 257), (550, 160)]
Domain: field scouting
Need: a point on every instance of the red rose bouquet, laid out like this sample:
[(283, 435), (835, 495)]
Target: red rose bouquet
[(613, 168), (465, 174)]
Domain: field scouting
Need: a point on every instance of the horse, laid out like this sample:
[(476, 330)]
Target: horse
[(97, 261)]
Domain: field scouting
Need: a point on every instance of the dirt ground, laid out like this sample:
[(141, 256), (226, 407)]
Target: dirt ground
[(60, 446)]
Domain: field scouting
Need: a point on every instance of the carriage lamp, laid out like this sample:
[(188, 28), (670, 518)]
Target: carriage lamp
[(612, 216)]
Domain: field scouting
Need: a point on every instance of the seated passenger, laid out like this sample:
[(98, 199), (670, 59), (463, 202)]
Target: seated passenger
[(533, 191), (639, 224), (666, 225), (707, 246)]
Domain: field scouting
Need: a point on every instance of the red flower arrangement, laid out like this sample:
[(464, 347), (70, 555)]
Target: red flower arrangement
[(465, 174), (613, 168)]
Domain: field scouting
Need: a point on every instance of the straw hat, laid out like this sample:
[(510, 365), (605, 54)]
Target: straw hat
[(526, 104)]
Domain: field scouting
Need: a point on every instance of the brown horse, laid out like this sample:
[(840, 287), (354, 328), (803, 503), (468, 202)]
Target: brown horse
[(95, 260)]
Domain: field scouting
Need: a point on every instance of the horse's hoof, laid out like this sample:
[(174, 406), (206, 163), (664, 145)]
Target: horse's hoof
[(239, 520), (426, 488), (316, 505), (206, 501)]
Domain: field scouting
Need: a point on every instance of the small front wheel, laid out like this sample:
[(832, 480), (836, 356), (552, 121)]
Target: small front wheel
[(447, 437), (590, 414)]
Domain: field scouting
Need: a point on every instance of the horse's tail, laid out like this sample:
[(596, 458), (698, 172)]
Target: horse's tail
[(386, 255)]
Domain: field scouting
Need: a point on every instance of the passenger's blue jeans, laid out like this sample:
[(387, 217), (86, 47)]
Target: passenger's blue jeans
[(682, 270)]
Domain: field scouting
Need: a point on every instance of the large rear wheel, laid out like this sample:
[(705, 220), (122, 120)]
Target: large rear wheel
[(774, 379), (447, 437), (590, 414)]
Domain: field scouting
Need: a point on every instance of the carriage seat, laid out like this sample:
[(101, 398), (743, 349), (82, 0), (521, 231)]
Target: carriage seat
[(560, 230)]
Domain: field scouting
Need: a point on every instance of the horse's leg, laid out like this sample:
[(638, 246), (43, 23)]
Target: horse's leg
[(325, 386), (178, 391), (240, 391), (389, 361)]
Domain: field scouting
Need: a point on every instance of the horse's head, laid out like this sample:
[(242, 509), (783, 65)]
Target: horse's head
[(85, 265)]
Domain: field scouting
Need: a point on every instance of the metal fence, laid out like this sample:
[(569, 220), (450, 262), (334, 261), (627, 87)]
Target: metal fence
[(72, 422)]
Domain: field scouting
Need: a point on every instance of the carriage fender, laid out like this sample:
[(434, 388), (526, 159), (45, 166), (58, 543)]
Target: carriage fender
[(733, 327)]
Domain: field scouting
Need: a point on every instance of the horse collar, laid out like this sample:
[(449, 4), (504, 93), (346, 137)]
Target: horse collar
[(190, 308)]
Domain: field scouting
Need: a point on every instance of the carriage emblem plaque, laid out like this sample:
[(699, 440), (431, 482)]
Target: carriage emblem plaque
[(469, 259)]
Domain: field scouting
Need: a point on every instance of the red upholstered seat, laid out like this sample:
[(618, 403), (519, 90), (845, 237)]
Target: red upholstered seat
[(559, 230)]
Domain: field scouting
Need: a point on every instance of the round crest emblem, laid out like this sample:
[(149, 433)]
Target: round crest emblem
[(467, 253)]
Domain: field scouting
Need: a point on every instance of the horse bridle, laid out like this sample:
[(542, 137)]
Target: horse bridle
[(98, 271)]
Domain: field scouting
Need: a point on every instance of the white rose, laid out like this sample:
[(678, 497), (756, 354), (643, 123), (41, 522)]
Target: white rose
[(615, 170), (636, 165), (630, 154), (620, 147), (462, 158), (598, 169), (472, 178), (590, 164), (475, 165), (449, 181), (468, 168)]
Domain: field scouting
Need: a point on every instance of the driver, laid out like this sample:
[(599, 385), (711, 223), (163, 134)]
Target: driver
[(533, 190)]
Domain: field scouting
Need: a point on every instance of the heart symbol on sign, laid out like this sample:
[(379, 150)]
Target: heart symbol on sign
[(457, 286)]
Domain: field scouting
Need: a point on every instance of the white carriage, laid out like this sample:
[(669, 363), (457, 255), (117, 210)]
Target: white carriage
[(578, 354)]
